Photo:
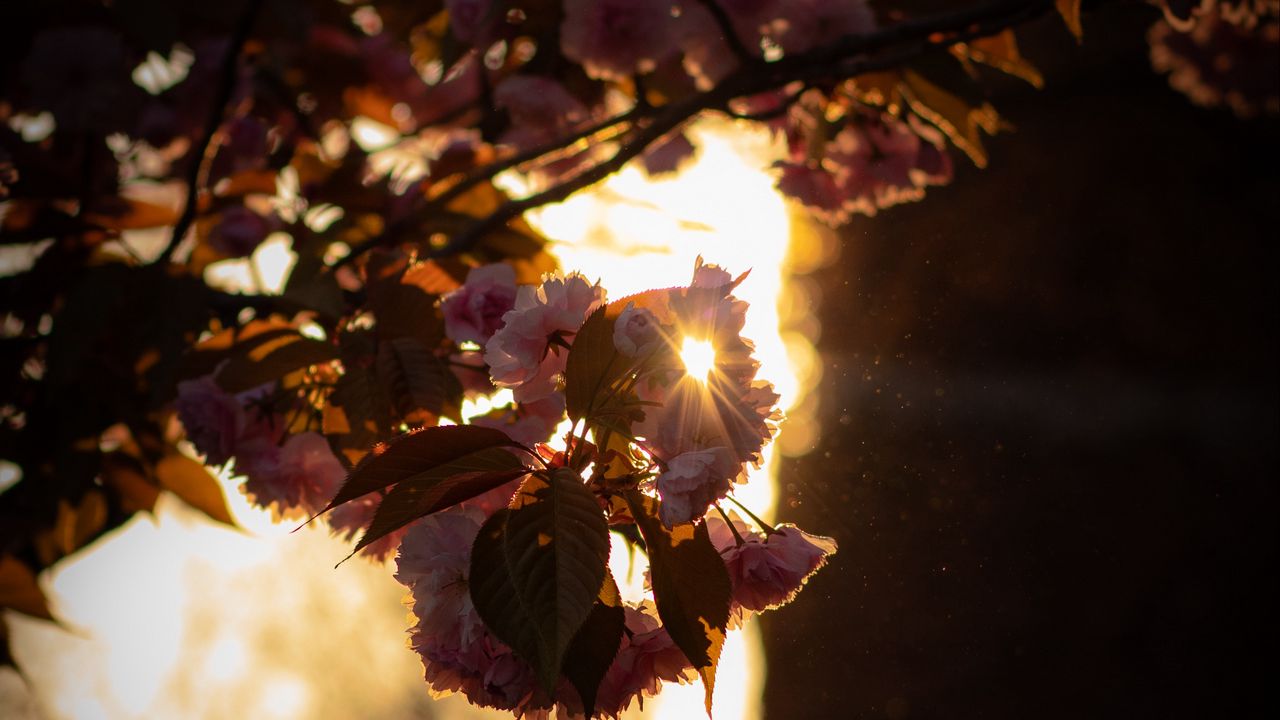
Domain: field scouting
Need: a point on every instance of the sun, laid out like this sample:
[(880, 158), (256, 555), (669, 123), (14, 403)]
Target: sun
[(699, 358)]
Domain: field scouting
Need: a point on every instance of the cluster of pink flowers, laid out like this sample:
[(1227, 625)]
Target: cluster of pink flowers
[(874, 161), (293, 474), (1221, 53), (689, 439)]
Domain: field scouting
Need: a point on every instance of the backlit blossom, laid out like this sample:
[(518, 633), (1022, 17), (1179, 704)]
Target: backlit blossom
[(692, 481), (458, 652), (473, 312), (212, 418), (614, 39), (525, 354), (636, 332), (540, 109), (298, 478), (768, 572), (646, 658)]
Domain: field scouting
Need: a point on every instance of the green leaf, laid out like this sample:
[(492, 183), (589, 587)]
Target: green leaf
[(442, 487), (596, 645), (416, 453), (537, 569), (272, 360), (690, 586)]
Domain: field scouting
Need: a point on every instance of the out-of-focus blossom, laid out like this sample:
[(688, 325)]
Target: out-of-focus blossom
[(1183, 14), (815, 187), (803, 25), (473, 312), (668, 154), (298, 478), (239, 231), (540, 109), (767, 571), (1220, 63), (469, 19), (212, 418), (614, 39), (874, 162), (692, 481), (525, 354)]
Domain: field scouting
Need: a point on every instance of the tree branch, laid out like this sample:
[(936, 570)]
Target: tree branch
[(201, 153), (847, 57)]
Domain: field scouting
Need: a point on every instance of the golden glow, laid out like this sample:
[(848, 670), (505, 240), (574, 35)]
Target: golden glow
[(699, 358), (174, 616)]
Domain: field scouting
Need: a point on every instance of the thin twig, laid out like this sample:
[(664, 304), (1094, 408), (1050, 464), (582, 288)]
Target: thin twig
[(847, 57), (201, 153), (729, 32)]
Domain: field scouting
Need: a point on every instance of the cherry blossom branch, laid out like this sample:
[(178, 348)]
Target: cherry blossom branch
[(202, 152), (847, 57), (729, 32), (756, 79), (396, 230)]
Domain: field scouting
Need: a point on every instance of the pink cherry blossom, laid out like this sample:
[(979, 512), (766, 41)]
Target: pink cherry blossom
[(458, 652), (213, 419), (803, 25), (636, 331), (692, 481), (521, 354), (815, 187), (473, 312), (540, 109), (768, 572), (298, 478), (614, 39), (467, 19), (646, 658)]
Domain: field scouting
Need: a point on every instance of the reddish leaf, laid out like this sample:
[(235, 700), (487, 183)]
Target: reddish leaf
[(414, 454), (1070, 12), (442, 487), (690, 586)]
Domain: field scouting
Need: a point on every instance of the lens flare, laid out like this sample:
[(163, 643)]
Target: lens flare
[(699, 358)]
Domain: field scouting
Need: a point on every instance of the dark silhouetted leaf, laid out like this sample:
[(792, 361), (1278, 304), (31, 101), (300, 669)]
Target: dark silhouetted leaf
[(194, 485), (596, 645), (442, 487), (418, 381), (19, 590), (414, 454), (537, 569), (272, 360), (690, 586)]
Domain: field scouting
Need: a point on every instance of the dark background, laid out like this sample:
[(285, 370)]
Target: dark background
[(1049, 402)]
